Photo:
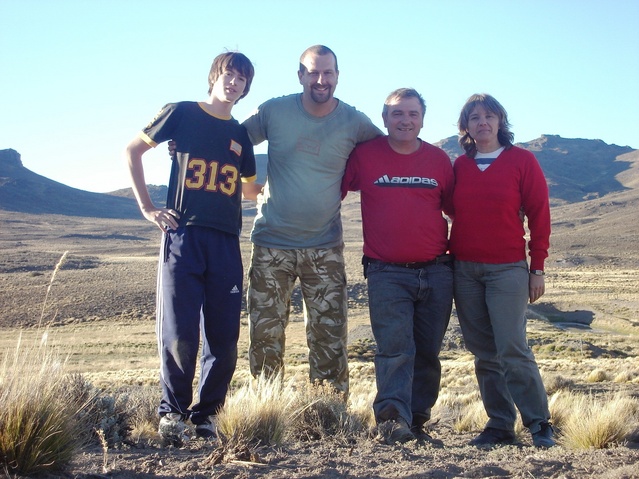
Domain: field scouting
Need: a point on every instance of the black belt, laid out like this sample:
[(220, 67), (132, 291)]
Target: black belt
[(444, 258)]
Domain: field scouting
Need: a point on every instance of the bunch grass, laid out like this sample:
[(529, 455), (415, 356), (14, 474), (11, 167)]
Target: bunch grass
[(39, 432), (587, 421)]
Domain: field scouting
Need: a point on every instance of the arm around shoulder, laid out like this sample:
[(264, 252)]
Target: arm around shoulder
[(251, 190)]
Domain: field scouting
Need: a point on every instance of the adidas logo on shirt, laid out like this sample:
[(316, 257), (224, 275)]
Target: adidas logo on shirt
[(407, 181), (234, 289)]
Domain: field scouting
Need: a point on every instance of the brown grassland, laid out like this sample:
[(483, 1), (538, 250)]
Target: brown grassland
[(99, 311)]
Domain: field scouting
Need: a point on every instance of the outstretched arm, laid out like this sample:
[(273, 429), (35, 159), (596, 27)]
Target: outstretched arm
[(165, 219)]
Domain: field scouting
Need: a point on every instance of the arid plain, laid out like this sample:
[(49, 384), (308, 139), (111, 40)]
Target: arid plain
[(98, 311)]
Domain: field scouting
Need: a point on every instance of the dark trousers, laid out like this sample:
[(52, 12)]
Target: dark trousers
[(199, 296)]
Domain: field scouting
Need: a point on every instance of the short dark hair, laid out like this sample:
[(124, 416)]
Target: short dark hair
[(232, 61), (317, 50), (401, 93), (504, 135)]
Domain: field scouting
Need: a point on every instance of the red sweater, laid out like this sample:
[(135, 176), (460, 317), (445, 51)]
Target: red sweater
[(487, 227), (402, 198)]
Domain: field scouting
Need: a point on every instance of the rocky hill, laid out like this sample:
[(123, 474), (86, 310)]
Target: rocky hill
[(577, 170), (24, 191)]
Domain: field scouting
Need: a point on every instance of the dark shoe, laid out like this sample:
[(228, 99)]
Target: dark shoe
[(394, 431), (207, 429), (544, 437), (493, 437), (421, 435)]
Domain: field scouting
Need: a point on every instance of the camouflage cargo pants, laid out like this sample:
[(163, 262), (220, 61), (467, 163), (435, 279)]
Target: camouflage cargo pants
[(322, 276)]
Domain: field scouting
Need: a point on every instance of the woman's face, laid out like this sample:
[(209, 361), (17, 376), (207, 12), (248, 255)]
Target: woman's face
[(483, 126)]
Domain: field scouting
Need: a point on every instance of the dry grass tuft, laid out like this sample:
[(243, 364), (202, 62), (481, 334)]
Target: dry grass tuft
[(362, 395), (319, 412), (141, 412), (586, 421), (257, 411), (39, 433), (468, 414), (470, 417), (556, 382), (597, 376), (560, 405), (625, 376)]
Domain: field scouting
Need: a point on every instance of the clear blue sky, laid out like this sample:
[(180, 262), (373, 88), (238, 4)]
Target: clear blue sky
[(80, 78)]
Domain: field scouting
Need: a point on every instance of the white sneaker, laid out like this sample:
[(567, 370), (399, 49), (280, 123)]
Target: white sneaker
[(173, 429)]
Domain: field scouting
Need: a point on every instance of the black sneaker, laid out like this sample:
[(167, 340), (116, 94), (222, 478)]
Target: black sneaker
[(420, 433), (544, 437), (207, 429), (492, 437)]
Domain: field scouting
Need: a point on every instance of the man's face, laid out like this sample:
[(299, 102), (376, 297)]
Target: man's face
[(319, 78), (404, 119)]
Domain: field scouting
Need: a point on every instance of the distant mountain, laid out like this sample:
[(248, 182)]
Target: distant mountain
[(156, 192), (577, 170), (24, 191)]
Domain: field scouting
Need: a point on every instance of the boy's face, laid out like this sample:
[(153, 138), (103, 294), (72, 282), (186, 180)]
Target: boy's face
[(229, 86)]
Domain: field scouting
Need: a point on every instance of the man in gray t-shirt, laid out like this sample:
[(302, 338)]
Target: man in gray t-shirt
[(298, 231)]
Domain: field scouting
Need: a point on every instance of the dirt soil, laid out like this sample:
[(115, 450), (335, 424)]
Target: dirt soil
[(364, 458)]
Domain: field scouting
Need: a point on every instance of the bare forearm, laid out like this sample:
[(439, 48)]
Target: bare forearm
[(164, 218)]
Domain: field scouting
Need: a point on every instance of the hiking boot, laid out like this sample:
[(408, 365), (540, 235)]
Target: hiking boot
[(544, 437), (491, 436), (173, 430), (207, 429), (394, 431), (421, 435)]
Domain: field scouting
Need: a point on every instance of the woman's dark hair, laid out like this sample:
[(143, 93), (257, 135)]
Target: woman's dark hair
[(504, 135)]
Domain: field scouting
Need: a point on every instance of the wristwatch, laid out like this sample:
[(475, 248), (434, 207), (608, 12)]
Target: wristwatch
[(537, 272)]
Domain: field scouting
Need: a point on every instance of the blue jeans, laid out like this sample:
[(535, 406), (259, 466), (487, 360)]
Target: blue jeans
[(491, 301), (409, 311)]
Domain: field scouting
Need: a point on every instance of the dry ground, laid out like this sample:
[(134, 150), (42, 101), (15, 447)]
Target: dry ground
[(99, 312)]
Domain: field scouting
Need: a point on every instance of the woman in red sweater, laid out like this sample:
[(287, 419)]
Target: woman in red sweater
[(495, 182)]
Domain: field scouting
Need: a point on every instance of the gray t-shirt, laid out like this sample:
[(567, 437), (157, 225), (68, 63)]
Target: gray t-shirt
[(307, 155)]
